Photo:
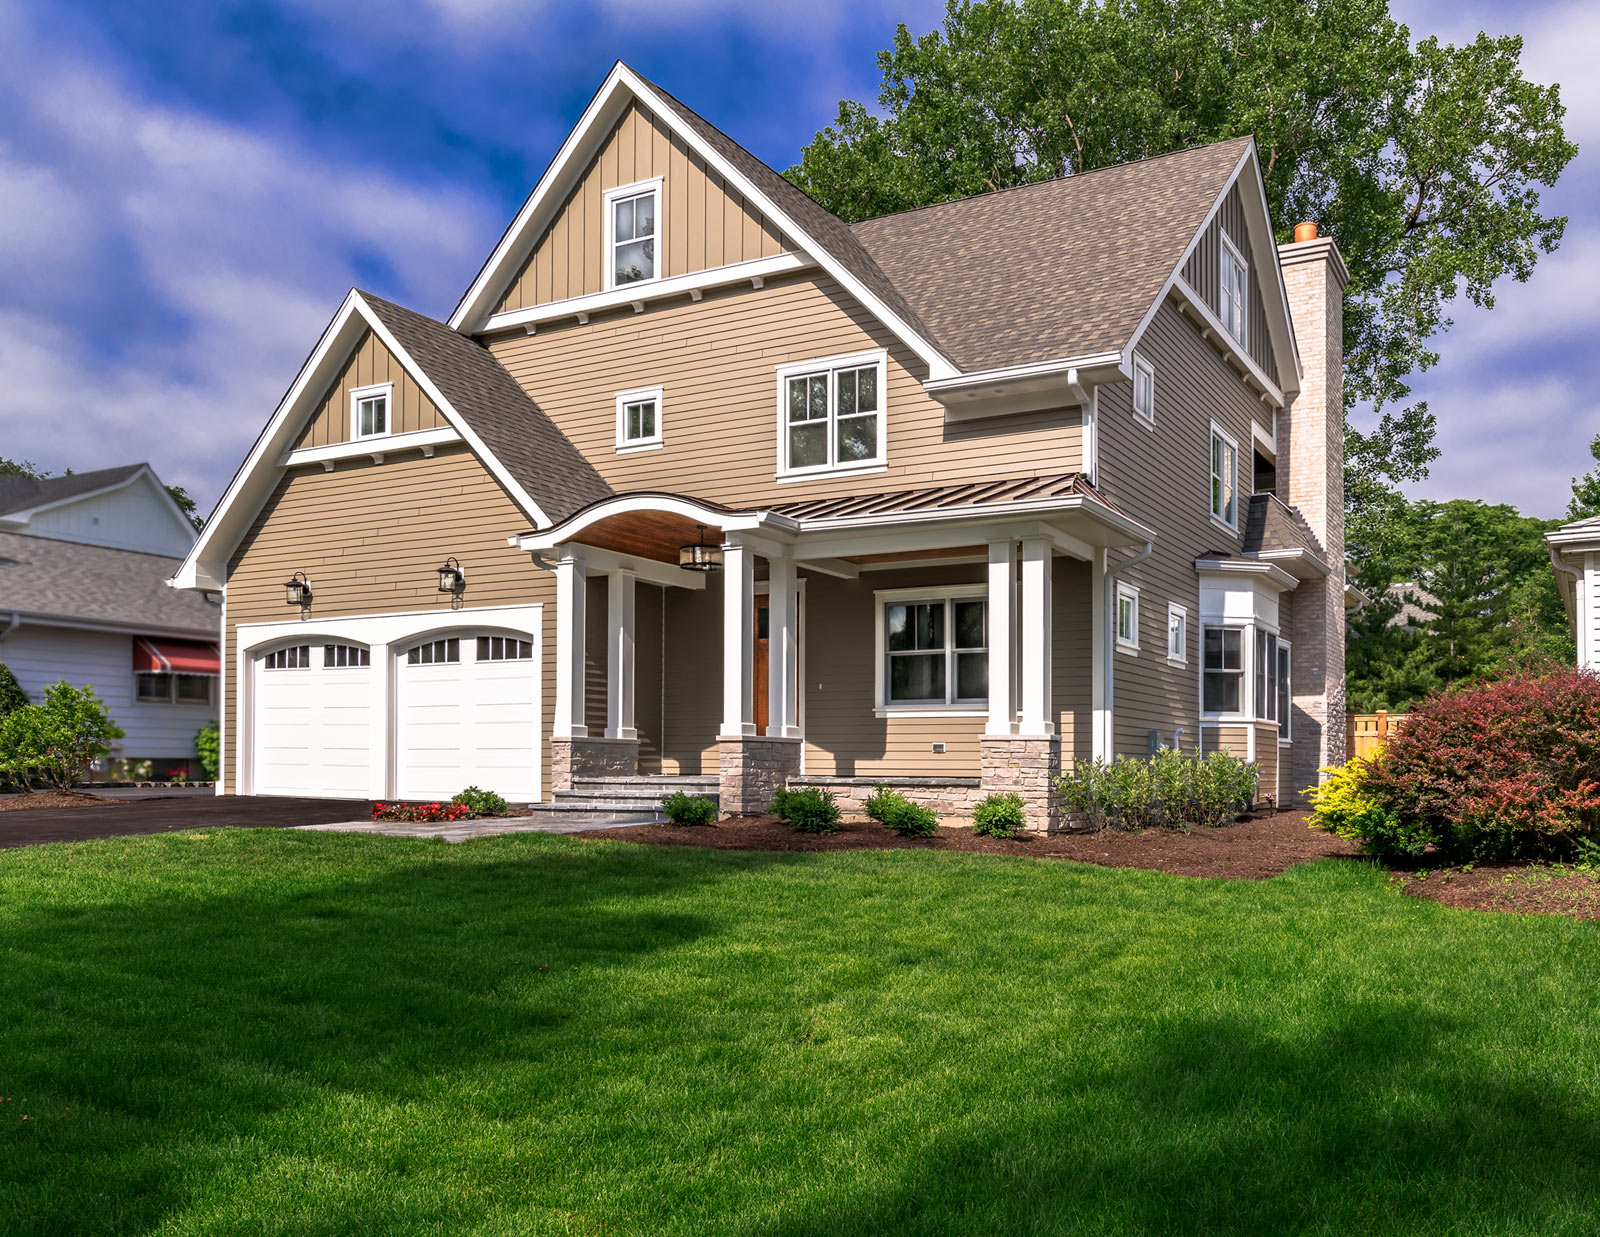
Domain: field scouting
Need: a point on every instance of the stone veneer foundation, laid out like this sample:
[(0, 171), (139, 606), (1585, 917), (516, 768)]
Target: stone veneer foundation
[(571, 759), (751, 770), (953, 798), (1027, 767)]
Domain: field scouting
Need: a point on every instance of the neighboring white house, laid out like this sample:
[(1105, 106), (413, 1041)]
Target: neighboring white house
[(1575, 554), (84, 561)]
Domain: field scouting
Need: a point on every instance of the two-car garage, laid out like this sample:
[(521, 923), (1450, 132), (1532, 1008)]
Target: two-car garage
[(334, 715)]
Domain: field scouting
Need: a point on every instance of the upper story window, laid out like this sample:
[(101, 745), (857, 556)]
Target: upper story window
[(933, 648), (1127, 617), (370, 410), (831, 414), (1234, 298), (1177, 633), (1144, 389), (1224, 478), (633, 225), (639, 419)]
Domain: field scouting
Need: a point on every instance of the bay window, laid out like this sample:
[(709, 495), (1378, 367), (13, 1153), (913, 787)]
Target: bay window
[(933, 649), (1266, 676), (1222, 673), (1285, 695), (831, 414)]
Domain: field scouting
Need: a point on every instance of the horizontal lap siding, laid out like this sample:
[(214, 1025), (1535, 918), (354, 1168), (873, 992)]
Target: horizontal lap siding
[(371, 537), (1072, 614), (716, 361), (369, 364), (1267, 762), (1235, 740), (704, 223), (1163, 477)]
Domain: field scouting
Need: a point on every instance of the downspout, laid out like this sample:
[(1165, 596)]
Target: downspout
[(1577, 617), (1111, 640)]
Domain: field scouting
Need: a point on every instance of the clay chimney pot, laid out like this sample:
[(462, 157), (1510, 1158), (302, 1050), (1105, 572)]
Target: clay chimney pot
[(1304, 232)]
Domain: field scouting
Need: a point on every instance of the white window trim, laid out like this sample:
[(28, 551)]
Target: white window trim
[(881, 598), (1174, 610), (1286, 724), (1132, 594), (637, 189), (853, 360), (1218, 432), (1246, 681), (1148, 418), (1230, 250), (626, 445), (385, 389)]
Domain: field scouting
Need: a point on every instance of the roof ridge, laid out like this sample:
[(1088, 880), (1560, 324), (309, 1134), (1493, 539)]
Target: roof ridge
[(1054, 180)]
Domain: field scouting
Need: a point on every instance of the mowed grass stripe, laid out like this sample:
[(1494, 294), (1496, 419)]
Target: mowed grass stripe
[(317, 1033)]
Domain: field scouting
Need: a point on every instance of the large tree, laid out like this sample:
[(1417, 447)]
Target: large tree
[(1423, 159)]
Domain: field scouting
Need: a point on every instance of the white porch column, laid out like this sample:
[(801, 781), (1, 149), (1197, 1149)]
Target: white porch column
[(619, 656), (738, 640), (1037, 665), (1002, 636), (379, 762), (1099, 633), (783, 651), (572, 582)]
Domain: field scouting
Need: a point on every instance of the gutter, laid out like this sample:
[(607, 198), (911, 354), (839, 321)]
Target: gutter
[(12, 623), (1568, 600), (1110, 653)]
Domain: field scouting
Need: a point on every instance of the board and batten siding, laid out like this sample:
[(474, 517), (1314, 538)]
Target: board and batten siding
[(704, 223), (371, 537), (716, 362), (1203, 273), (1163, 476), (369, 364)]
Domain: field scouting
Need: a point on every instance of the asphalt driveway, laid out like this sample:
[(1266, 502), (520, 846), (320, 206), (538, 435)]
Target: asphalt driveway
[(30, 826)]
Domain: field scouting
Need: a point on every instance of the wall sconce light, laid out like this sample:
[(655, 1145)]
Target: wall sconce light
[(451, 578), (297, 590), (700, 556)]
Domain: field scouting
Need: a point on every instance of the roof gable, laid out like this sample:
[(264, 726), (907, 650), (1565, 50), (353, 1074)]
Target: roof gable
[(125, 507)]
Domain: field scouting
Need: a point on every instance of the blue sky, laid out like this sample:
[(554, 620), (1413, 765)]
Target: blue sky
[(187, 191)]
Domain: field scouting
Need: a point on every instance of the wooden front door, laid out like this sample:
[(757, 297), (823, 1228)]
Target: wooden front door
[(760, 672)]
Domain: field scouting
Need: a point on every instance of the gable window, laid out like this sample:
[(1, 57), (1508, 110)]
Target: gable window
[(1177, 634), (933, 649), (1222, 672), (1224, 478), (1144, 389), (1127, 617), (1234, 298), (639, 419), (633, 225), (370, 410), (831, 414)]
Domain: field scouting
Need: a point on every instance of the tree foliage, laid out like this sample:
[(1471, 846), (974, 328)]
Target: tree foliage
[(1585, 500), (1423, 160), (20, 468), (51, 742)]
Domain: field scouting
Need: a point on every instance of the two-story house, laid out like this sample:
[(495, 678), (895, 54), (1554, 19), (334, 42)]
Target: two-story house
[(700, 481)]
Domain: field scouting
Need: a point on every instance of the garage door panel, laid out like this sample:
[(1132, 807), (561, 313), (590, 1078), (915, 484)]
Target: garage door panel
[(313, 729)]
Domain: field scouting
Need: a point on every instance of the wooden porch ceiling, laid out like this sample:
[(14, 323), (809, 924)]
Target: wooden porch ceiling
[(648, 534)]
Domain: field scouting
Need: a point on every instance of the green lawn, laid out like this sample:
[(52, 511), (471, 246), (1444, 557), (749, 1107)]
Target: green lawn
[(262, 1032)]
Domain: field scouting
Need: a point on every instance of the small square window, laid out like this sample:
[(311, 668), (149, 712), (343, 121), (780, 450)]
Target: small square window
[(1127, 617), (370, 410), (1144, 389), (639, 419), (193, 689)]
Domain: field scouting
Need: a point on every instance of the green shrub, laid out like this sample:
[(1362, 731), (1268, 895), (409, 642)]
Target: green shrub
[(52, 742), (811, 810), (687, 809), (1341, 806), (999, 816), (1080, 790), (1170, 789), (895, 812), (1129, 791), (12, 697), (208, 747), (1223, 787), (780, 804), (482, 802)]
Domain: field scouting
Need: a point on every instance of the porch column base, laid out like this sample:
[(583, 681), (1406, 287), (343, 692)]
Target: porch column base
[(752, 770), (1028, 766), (571, 759)]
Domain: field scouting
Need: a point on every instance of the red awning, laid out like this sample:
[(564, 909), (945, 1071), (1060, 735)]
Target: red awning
[(175, 657)]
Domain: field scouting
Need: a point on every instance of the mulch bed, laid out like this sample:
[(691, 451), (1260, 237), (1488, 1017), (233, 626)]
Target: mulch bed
[(1250, 850), (1537, 889), (52, 798)]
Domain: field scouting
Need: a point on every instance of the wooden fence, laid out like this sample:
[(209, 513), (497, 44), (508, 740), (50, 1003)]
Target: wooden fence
[(1365, 733)]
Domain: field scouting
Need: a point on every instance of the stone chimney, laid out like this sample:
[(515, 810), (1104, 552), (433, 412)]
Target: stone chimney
[(1311, 478)]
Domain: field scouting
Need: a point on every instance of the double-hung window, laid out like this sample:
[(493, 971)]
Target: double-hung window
[(1234, 300), (1222, 672), (1224, 478), (1177, 633), (1285, 694), (1144, 390), (831, 414), (370, 410), (633, 225), (639, 419), (1267, 671), (934, 650), (1128, 618)]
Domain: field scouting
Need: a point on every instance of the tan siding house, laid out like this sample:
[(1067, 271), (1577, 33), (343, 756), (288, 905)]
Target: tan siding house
[(701, 486)]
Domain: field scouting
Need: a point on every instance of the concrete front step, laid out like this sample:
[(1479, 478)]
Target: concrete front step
[(578, 811), (660, 784), (625, 794)]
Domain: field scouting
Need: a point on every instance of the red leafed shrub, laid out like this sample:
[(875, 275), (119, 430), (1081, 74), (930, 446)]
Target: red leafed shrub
[(426, 813), (1508, 768)]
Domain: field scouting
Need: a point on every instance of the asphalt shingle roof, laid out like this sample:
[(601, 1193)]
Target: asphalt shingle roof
[(1271, 524), (515, 429), (22, 493), (71, 580)]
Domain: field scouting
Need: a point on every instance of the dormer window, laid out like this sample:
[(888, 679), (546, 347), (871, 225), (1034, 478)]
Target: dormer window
[(369, 410), (1234, 299), (633, 225)]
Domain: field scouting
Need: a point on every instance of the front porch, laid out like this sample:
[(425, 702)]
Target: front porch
[(944, 640)]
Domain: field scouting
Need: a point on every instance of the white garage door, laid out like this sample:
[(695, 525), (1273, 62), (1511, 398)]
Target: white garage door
[(466, 715), (313, 721)]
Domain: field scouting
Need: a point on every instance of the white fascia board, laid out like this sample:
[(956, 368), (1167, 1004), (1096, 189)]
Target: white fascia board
[(1246, 567), (650, 570), (381, 444), (1193, 299), (1061, 368), (1254, 204), (620, 85), (644, 292)]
